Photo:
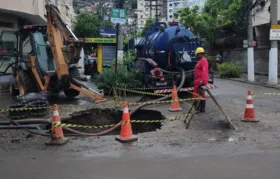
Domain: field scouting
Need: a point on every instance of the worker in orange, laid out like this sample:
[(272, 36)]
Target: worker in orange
[(201, 78)]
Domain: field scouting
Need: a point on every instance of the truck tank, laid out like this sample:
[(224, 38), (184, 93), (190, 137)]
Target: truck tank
[(163, 50)]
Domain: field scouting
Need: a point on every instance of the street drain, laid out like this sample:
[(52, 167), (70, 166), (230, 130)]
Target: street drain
[(102, 117)]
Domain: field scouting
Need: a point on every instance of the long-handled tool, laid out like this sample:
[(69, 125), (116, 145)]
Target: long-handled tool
[(190, 113), (216, 103), (220, 108)]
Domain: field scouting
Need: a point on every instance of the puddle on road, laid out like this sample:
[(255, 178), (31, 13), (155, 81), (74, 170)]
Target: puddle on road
[(98, 117)]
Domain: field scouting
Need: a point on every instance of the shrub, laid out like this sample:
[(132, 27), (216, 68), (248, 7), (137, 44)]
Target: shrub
[(211, 58), (212, 62), (228, 70), (124, 78), (129, 57)]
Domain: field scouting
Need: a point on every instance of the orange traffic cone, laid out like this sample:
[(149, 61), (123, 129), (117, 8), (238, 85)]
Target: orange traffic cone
[(126, 134), (175, 105), (249, 115), (57, 137)]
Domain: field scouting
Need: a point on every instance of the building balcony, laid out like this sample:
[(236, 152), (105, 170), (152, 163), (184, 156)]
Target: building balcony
[(15, 13), (262, 15), (31, 10)]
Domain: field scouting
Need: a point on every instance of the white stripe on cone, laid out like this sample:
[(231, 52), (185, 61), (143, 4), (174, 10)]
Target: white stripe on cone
[(55, 113), (125, 110), (249, 106), (249, 97)]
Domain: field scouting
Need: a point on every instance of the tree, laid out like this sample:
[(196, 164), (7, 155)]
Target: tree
[(214, 16), (87, 24), (148, 23)]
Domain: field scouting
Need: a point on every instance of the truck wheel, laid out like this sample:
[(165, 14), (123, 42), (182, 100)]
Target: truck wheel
[(26, 83), (13, 90)]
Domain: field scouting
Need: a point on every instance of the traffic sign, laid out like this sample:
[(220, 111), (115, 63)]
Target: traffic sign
[(274, 32), (118, 16)]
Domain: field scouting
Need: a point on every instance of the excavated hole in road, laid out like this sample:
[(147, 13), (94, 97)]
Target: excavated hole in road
[(101, 117)]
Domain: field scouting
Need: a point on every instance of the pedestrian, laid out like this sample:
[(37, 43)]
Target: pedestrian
[(201, 78)]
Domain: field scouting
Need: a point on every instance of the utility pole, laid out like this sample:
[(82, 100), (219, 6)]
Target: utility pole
[(150, 8), (250, 49), (273, 53), (157, 11), (119, 38)]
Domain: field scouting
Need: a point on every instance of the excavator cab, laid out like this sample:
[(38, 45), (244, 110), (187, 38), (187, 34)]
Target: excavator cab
[(34, 42)]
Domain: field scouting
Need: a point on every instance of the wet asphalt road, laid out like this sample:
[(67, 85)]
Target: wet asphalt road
[(45, 166), (206, 150)]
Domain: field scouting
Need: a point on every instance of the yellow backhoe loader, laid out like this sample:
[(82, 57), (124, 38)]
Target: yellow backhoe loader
[(46, 59)]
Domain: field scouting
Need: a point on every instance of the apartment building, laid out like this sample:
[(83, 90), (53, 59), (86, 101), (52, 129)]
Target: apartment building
[(147, 9), (261, 22), (174, 5), (15, 13)]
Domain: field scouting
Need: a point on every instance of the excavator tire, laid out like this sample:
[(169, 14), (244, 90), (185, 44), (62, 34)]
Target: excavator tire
[(26, 83), (38, 108), (16, 111), (74, 73)]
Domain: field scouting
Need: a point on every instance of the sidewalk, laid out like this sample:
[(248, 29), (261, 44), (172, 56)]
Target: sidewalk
[(261, 80)]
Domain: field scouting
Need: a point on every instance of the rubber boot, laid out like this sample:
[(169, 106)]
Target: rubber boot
[(197, 107), (202, 105)]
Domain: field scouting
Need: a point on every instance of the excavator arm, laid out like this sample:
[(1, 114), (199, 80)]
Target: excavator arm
[(66, 48)]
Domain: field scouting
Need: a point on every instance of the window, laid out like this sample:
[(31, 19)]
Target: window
[(56, 3), (141, 4), (170, 16), (142, 22), (7, 42), (170, 10), (147, 3), (141, 16), (26, 46), (170, 4), (6, 24), (43, 51)]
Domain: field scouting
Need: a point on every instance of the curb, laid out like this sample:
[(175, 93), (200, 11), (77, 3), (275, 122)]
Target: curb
[(252, 83)]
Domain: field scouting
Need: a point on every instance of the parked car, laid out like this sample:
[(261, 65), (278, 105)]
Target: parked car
[(90, 65)]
